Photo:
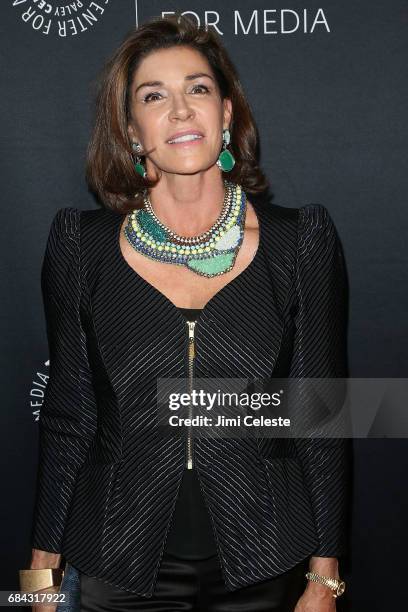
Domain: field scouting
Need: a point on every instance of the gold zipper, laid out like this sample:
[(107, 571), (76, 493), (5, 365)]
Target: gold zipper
[(189, 450), (191, 356)]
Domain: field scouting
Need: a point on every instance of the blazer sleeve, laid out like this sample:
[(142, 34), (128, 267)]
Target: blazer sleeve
[(320, 352), (68, 414)]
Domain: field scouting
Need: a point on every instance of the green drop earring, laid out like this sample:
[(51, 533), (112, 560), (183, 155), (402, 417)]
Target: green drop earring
[(139, 167), (226, 160)]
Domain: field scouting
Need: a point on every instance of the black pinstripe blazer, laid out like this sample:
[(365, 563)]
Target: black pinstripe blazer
[(107, 481)]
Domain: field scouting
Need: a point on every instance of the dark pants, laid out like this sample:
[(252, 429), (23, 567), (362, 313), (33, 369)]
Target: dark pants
[(197, 586)]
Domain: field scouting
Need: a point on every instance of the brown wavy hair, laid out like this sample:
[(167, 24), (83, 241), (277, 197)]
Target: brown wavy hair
[(110, 170)]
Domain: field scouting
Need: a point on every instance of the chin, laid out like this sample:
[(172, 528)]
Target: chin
[(189, 168)]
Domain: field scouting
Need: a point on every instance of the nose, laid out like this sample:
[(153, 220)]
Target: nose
[(181, 108)]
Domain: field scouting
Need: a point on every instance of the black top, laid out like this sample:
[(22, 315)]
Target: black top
[(191, 535)]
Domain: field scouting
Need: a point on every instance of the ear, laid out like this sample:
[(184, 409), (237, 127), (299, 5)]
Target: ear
[(132, 134), (227, 116)]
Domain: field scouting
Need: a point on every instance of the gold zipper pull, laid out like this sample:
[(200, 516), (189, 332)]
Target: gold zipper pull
[(191, 348)]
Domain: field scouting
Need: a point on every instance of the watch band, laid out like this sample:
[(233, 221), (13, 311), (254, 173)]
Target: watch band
[(36, 579), (336, 585)]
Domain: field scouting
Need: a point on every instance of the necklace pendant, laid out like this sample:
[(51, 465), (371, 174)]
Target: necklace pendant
[(213, 266), (230, 240), (209, 254)]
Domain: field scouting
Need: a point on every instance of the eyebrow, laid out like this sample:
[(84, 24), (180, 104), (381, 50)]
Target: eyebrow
[(189, 77)]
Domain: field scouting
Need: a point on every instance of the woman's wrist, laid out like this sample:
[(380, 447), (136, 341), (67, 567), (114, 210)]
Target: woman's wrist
[(327, 566), (42, 559)]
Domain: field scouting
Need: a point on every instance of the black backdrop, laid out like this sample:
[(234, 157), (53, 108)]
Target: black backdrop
[(326, 84)]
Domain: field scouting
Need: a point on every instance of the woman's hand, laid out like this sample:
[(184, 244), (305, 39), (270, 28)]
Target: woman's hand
[(46, 607), (316, 598), (319, 597), (42, 559)]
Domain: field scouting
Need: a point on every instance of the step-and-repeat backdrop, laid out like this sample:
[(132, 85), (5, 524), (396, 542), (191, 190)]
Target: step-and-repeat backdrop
[(326, 82)]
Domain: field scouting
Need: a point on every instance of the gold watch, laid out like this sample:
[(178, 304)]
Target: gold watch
[(336, 585)]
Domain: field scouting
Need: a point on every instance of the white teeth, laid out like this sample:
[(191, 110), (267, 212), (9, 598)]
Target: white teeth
[(186, 138)]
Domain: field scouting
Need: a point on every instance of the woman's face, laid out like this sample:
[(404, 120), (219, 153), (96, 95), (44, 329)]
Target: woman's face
[(174, 90)]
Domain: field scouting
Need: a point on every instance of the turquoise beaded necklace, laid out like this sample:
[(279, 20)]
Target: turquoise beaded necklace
[(209, 254)]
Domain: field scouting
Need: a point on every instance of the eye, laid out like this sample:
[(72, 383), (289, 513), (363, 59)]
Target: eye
[(203, 86), (147, 98)]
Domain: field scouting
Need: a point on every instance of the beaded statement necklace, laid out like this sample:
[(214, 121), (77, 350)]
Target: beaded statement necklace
[(209, 254)]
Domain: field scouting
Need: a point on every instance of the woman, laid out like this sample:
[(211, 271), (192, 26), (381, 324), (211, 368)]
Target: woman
[(144, 521)]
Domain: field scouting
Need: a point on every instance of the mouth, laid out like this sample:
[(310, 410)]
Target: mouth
[(191, 138)]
